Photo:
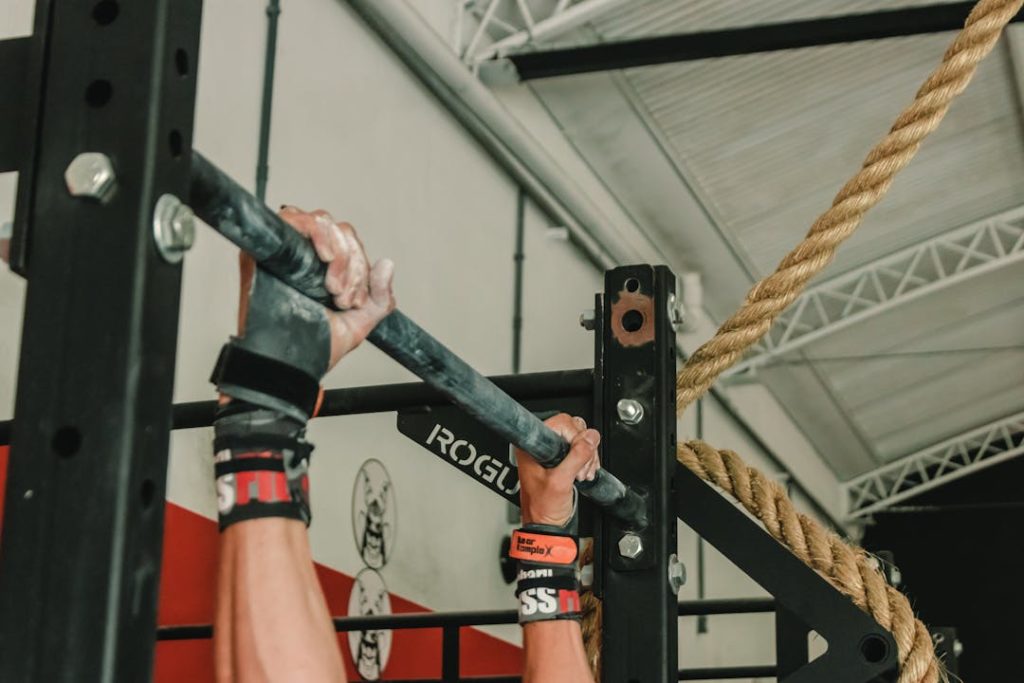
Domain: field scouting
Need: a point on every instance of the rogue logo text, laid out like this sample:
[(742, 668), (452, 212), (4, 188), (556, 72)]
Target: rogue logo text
[(466, 444)]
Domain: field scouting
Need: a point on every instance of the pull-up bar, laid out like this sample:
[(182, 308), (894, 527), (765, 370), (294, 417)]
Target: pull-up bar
[(277, 248)]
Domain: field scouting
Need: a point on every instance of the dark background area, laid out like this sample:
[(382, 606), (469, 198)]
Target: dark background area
[(960, 549)]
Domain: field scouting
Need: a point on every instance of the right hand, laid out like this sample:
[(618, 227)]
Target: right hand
[(363, 292), (546, 494)]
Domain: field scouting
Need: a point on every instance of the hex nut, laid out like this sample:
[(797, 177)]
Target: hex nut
[(174, 228), (676, 573), (91, 174), (588, 319), (630, 546), (630, 411), (676, 315)]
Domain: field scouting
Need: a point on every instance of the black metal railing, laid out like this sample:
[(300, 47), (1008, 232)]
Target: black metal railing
[(451, 624)]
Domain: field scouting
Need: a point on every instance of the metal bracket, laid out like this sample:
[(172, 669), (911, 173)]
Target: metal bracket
[(859, 649)]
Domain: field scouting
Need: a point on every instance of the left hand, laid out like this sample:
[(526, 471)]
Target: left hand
[(546, 494)]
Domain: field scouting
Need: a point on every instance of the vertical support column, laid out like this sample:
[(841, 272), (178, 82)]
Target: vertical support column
[(83, 523), (636, 359)]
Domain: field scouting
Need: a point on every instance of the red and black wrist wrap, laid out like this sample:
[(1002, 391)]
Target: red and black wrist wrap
[(547, 582), (261, 465)]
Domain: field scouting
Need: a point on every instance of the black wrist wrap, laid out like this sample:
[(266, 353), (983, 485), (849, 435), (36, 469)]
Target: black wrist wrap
[(265, 381), (261, 465), (547, 582)]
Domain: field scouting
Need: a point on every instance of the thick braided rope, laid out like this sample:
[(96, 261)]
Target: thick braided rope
[(849, 569), (769, 297)]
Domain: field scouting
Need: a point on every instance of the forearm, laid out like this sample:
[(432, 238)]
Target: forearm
[(272, 621), (554, 653)]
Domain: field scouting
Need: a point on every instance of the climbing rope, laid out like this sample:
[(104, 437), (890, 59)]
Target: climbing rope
[(769, 297), (848, 568)]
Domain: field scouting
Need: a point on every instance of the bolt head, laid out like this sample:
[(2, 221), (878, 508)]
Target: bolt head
[(91, 174), (630, 411), (676, 573), (676, 315), (174, 228), (630, 546), (588, 319), (183, 228)]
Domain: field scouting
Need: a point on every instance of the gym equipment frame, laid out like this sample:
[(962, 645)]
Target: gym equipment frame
[(96, 114)]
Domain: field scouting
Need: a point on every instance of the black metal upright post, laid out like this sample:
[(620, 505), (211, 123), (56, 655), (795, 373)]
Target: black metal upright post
[(636, 362), (80, 562)]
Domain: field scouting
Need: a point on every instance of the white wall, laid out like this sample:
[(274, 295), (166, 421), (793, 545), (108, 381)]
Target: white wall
[(355, 133)]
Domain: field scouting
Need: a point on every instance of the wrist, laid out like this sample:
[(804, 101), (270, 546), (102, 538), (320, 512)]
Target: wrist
[(261, 465), (560, 518), (547, 582)]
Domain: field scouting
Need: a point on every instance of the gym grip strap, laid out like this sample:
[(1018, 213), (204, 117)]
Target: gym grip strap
[(543, 548), (546, 584), (240, 367)]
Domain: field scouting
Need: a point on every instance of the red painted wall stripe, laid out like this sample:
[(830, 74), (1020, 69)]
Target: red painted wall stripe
[(187, 597)]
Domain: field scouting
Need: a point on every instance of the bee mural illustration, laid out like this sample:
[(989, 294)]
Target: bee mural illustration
[(370, 649), (373, 514)]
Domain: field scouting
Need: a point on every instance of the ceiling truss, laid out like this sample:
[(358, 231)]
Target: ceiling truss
[(935, 466), (876, 287), (517, 26)]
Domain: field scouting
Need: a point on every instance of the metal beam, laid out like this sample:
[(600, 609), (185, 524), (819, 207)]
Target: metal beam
[(562, 19), (934, 466), (84, 505), (745, 40), (14, 60), (876, 287)]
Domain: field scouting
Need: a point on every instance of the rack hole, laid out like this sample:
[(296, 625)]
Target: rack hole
[(632, 284), (105, 12), (66, 441), (147, 493), (98, 93), (175, 144), (874, 649), (632, 320), (181, 62)]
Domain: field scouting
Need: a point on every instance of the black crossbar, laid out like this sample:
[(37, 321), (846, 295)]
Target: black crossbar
[(472, 618), (277, 248), (745, 40)]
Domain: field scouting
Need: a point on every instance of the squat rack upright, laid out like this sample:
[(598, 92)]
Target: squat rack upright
[(96, 114)]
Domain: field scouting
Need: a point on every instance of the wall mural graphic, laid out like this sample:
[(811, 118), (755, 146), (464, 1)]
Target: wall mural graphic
[(374, 525), (373, 514), (370, 649)]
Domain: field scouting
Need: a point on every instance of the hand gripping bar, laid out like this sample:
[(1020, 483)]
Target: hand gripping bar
[(277, 248)]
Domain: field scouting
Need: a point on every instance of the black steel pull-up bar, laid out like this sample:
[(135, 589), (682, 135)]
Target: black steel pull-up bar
[(249, 223)]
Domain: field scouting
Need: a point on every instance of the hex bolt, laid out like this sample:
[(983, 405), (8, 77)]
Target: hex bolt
[(676, 573), (630, 411), (91, 174), (676, 316), (630, 546), (588, 319), (174, 228)]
